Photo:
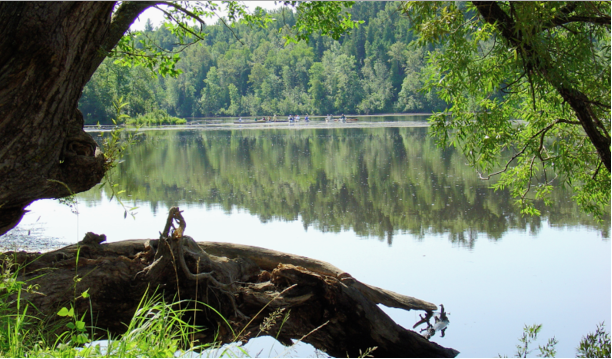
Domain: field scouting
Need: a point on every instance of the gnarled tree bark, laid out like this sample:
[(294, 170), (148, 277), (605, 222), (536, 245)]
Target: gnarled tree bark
[(48, 52), (237, 280)]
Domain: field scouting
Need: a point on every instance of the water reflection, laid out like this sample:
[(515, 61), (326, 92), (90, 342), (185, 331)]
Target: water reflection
[(375, 181), (440, 325)]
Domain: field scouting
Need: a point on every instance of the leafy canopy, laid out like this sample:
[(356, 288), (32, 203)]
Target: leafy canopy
[(185, 20), (508, 69)]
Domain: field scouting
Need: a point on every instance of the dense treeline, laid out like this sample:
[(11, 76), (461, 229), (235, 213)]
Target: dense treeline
[(251, 71)]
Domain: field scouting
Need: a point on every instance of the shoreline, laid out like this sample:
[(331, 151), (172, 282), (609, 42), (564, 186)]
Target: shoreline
[(265, 125), (20, 239), (315, 116)]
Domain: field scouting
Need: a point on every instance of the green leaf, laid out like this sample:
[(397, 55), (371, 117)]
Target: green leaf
[(81, 339), (64, 312), (80, 325)]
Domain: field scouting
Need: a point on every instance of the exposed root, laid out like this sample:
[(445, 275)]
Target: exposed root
[(330, 309)]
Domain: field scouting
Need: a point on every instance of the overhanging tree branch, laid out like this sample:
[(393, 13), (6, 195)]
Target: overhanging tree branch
[(179, 23), (493, 14), (197, 18), (121, 21), (541, 133), (599, 20)]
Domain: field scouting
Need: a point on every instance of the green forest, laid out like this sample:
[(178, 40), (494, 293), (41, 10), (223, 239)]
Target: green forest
[(245, 70)]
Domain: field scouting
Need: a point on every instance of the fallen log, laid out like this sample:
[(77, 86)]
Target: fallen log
[(337, 313)]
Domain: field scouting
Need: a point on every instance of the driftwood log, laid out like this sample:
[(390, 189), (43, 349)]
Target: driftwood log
[(237, 280)]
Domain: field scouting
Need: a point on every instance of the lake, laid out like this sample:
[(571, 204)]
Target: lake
[(382, 203)]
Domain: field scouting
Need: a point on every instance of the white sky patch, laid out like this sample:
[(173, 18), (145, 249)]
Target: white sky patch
[(157, 17)]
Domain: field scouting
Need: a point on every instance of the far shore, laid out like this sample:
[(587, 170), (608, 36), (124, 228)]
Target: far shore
[(267, 125), (311, 116)]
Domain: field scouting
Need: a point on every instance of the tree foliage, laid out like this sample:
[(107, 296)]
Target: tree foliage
[(530, 78), (367, 70)]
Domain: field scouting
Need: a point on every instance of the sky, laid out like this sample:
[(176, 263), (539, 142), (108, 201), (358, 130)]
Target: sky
[(157, 16)]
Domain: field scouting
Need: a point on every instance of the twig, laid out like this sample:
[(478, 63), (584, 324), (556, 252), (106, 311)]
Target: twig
[(197, 18), (180, 24), (312, 331), (264, 307), (530, 177), (541, 132), (597, 170)]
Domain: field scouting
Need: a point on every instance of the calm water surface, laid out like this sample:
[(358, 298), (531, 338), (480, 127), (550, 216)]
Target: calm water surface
[(384, 204)]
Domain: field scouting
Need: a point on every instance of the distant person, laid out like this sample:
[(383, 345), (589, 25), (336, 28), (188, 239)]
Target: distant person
[(297, 118), (240, 119), (343, 118), (306, 118), (274, 118)]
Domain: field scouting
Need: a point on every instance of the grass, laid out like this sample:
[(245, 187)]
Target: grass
[(593, 345), (157, 329)]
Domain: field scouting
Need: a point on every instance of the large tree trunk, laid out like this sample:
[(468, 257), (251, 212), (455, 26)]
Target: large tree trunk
[(48, 52), (236, 280)]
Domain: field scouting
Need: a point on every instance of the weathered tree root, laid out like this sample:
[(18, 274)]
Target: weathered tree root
[(339, 312)]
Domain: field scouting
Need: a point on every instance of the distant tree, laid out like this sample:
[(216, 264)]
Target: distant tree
[(377, 87), (235, 106), (214, 96), (148, 26), (342, 81), (316, 88)]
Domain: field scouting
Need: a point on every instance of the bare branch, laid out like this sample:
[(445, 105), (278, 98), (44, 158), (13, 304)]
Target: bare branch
[(197, 18), (179, 23), (602, 20), (125, 15), (596, 171), (599, 104), (541, 133), (515, 81), (530, 177)]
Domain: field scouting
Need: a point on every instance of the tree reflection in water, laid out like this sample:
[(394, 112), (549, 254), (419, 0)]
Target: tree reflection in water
[(375, 181)]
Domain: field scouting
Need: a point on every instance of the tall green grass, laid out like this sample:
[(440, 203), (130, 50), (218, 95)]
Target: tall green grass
[(157, 329)]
